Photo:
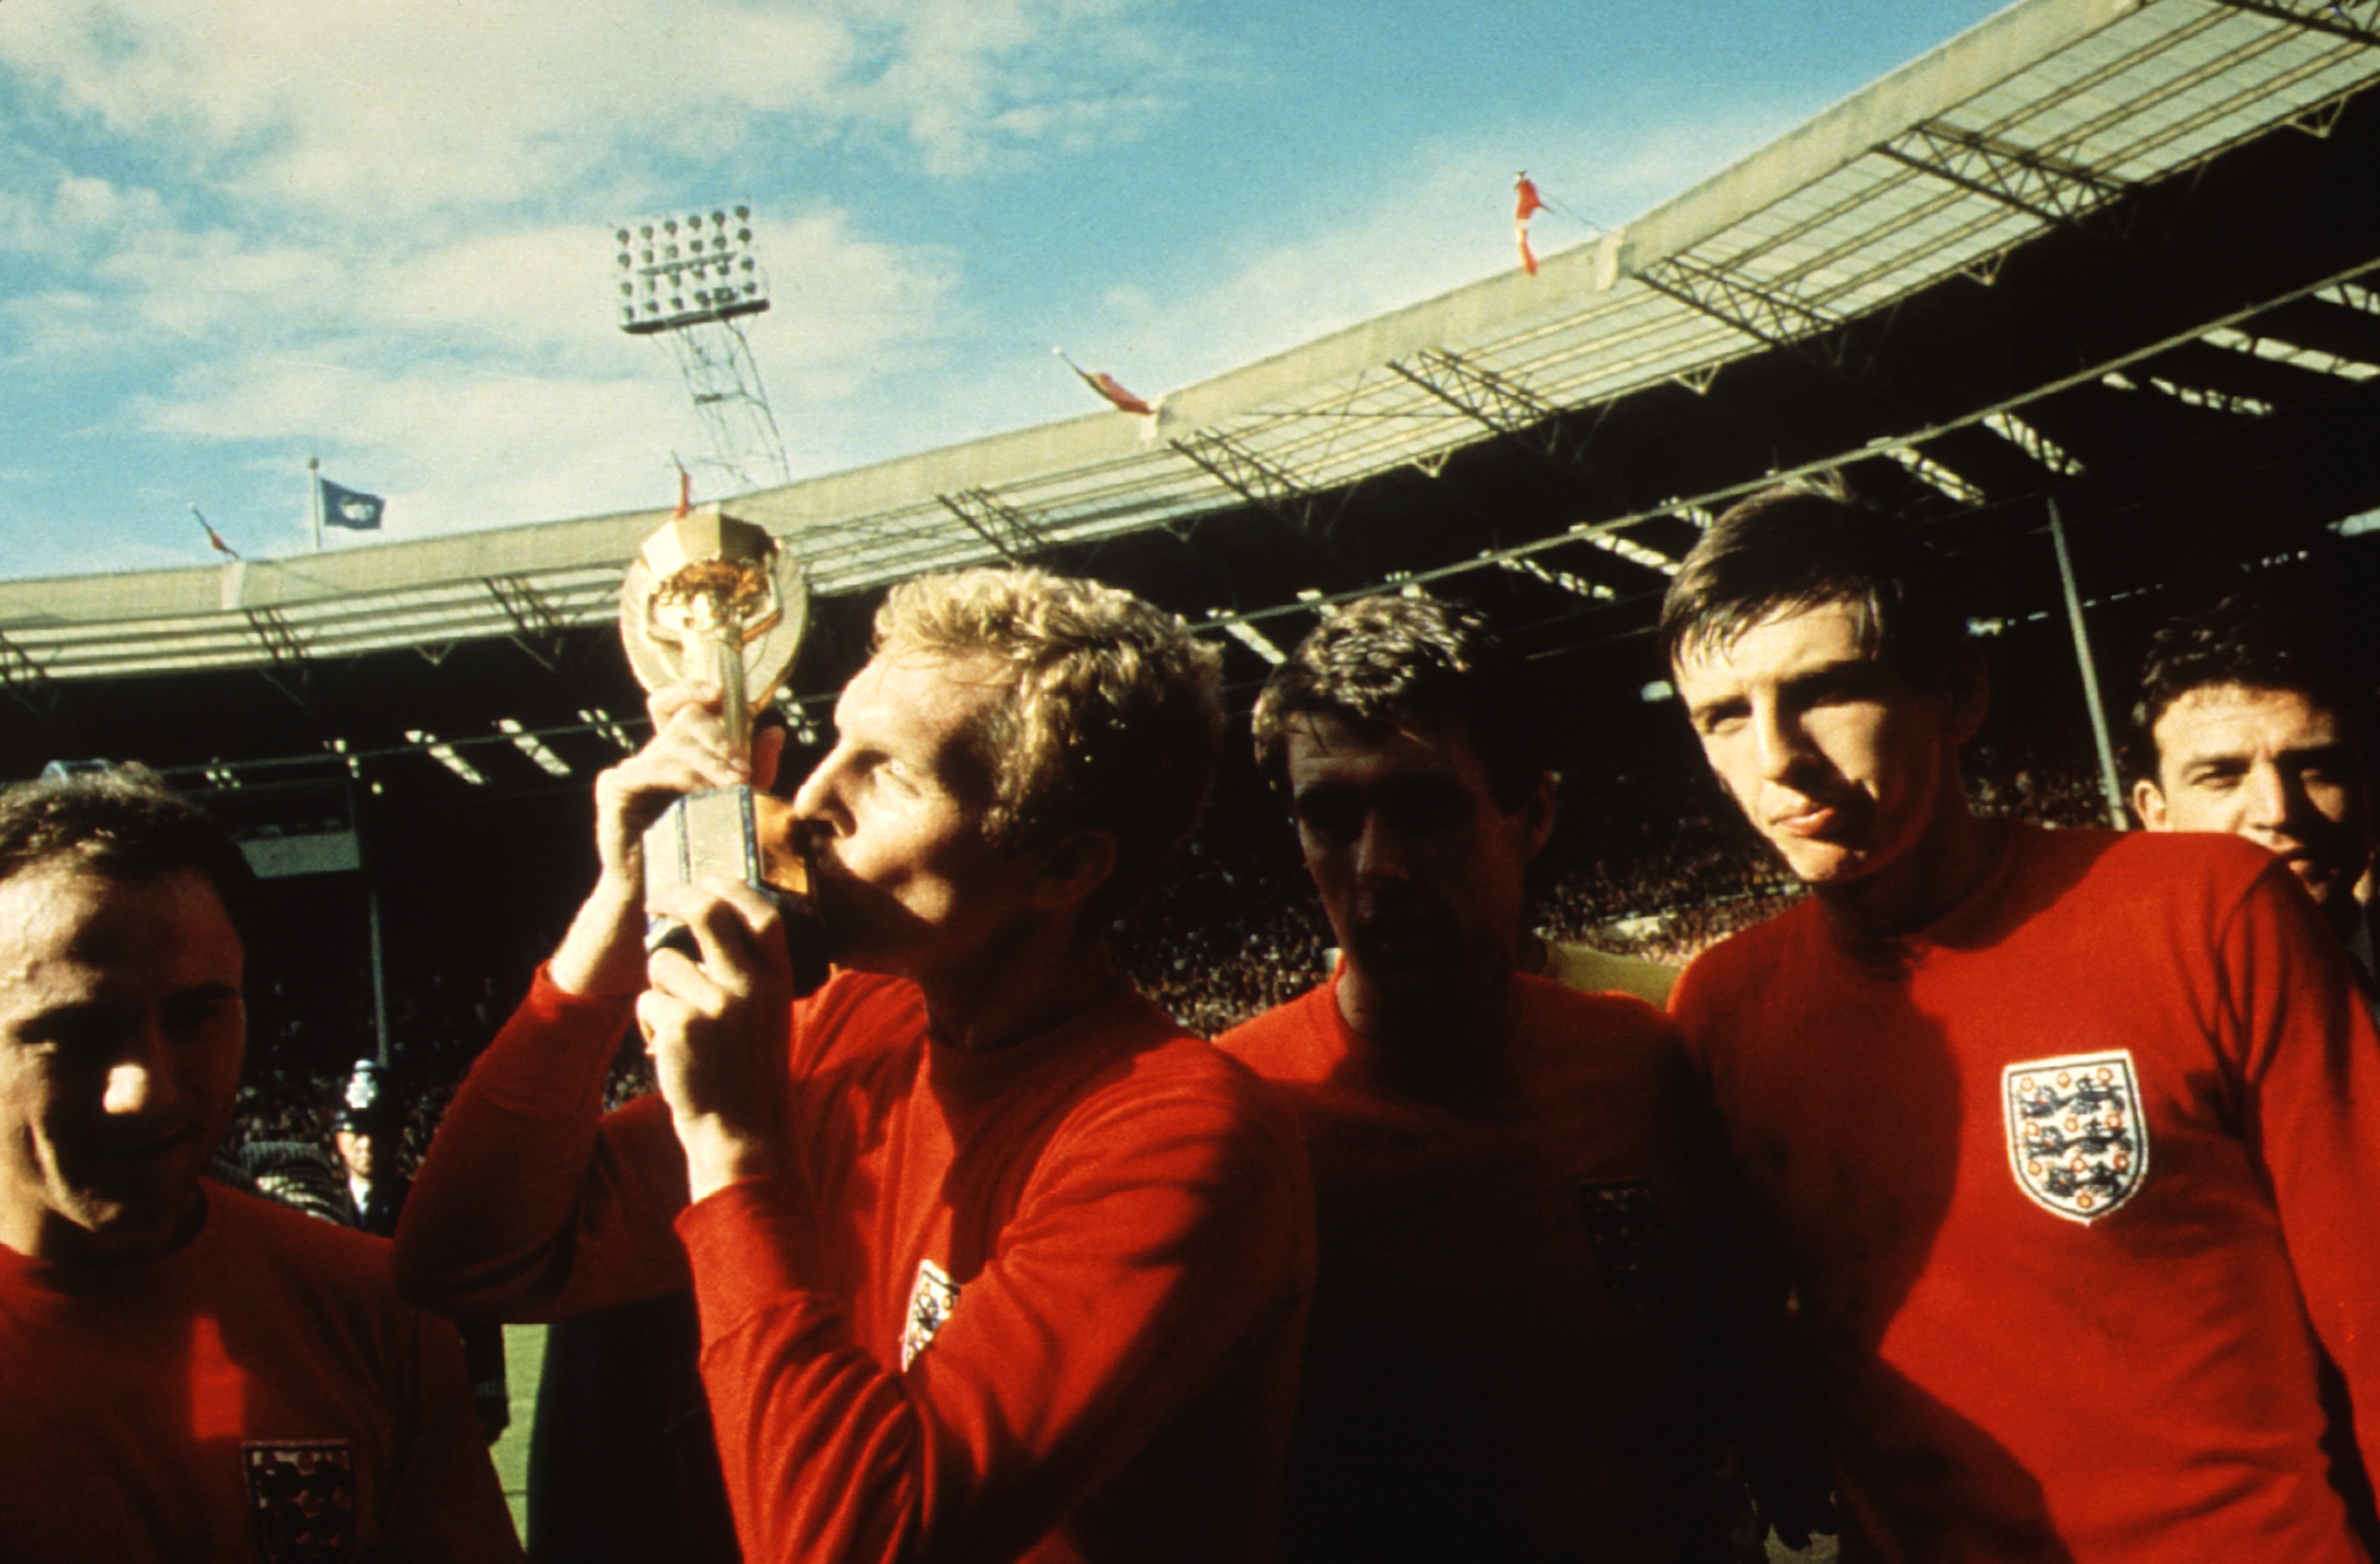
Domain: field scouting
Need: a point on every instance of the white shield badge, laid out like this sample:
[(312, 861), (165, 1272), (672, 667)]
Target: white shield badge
[(931, 1298), (2077, 1140)]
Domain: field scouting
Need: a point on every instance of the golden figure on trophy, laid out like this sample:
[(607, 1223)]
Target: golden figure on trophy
[(711, 597)]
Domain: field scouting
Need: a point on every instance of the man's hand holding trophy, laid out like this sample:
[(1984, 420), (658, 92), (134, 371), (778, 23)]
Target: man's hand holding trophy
[(714, 598)]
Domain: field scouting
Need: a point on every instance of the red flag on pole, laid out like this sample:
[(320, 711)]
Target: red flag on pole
[(213, 537), (1526, 204), (1105, 384)]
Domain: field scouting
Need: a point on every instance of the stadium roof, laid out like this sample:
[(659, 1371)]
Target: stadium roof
[(2041, 116), (2110, 250)]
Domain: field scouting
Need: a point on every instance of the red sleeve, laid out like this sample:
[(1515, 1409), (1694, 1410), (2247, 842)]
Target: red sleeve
[(1157, 1241), (1691, 1007), (2309, 1063), (532, 1202), (444, 1503)]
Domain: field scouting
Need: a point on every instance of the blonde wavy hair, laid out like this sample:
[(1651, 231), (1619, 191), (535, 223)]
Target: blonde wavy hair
[(1109, 719)]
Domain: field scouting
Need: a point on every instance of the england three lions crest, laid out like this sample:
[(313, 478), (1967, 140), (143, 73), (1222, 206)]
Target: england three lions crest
[(302, 1497), (2077, 1139)]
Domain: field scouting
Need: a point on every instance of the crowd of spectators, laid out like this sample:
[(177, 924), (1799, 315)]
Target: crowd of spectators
[(311, 1016), (1654, 864)]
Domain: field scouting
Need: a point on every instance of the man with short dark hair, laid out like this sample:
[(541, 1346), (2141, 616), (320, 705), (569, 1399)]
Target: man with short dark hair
[(2072, 1139), (992, 1261), (2245, 725), (185, 1372), (1508, 1357)]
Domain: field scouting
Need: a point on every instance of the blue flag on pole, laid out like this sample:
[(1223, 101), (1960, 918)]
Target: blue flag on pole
[(350, 508)]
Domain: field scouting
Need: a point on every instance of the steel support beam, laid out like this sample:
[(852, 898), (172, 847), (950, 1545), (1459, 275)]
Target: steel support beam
[(1257, 481), (2109, 780), (538, 625), (2047, 188), (27, 680), (1504, 405), (1776, 318), (277, 636), (282, 644), (2316, 15), (1009, 528), (1496, 402)]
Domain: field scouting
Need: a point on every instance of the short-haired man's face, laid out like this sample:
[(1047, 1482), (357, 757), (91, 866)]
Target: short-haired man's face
[(2268, 765), (1836, 755), (359, 1150), (1419, 867), (121, 1030), (906, 879)]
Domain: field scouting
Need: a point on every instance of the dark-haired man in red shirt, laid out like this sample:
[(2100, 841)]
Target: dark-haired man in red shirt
[(2072, 1140), (186, 1371), (1510, 1354)]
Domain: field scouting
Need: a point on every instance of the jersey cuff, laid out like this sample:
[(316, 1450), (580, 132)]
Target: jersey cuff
[(744, 1242)]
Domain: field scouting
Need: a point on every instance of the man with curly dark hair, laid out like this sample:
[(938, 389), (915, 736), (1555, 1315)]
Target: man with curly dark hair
[(1513, 1354)]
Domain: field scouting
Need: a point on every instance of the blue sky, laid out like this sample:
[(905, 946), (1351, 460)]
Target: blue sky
[(238, 234)]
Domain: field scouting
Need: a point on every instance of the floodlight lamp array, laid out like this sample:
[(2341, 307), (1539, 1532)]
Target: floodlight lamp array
[(674, 271)]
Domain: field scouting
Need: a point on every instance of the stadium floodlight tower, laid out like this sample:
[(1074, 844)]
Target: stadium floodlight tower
[(691, 281)]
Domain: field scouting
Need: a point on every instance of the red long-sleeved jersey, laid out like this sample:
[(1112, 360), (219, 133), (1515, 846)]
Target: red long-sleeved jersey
[(1041, 1303), (2079, 1184), (1513, 1354), (260, 1393)]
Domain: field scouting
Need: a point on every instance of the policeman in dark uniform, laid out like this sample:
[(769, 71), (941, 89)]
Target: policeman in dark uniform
[(368, 1131)]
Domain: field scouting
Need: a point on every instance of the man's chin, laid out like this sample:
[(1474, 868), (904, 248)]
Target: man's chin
[(1816, 862), (1410, 970), (123, 1224)]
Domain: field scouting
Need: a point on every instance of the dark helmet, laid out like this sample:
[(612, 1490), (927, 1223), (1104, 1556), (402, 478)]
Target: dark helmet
[(369, 1106)]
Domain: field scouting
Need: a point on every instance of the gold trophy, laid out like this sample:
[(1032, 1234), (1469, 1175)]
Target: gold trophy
[(714, 597)]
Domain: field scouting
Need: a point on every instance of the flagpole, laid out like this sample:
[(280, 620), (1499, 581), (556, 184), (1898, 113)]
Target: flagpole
[(314, 498)]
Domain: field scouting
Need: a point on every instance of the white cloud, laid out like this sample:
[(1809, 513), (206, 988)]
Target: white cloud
[(370, 109), (970, 81), (486, 381), (65, 218), (449, 446), (850, 310), (58, 324), (1665, 157)]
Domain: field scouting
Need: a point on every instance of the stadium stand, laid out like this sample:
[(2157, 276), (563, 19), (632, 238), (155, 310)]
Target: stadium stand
[(2102, 256)]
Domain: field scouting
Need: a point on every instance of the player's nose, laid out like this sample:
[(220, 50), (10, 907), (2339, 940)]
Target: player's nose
[(141, 1083), (2268, 800), (819, 807), (1779, 745), (1380, 849)]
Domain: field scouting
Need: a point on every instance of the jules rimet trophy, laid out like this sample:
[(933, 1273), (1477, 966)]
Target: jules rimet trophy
[(713, 596)]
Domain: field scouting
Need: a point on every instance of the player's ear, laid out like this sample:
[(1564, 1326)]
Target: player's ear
[(1968, 682), (1077, 866), (2148, 803), (1539, 809)]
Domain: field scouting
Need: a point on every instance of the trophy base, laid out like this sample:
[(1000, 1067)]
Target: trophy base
[(736, 834)]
